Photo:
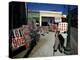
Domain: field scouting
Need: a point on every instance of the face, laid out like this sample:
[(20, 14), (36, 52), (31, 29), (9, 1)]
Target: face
[(56, 27)]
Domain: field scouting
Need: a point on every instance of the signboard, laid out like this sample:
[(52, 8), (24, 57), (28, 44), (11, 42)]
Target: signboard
[(57, 19), (63, 27), (18, 40)]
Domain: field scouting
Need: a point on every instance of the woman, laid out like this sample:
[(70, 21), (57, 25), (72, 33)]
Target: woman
[(57, 42)]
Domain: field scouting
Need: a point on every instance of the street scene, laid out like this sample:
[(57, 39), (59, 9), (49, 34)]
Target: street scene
[(42, 30)]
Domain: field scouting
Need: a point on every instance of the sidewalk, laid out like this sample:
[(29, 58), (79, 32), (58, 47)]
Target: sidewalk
[(44, 48)]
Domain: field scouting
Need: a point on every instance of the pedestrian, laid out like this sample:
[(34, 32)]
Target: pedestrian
[(57, 42)]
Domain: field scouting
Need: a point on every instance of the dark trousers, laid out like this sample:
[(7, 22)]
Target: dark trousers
[(59, 43), (61, 39)]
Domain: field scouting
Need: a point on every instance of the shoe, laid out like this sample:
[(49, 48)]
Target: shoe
[(60, 49), (55, 50), (43, 34)]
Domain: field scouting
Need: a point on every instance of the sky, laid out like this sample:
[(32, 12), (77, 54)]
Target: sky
[(49, 7)]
